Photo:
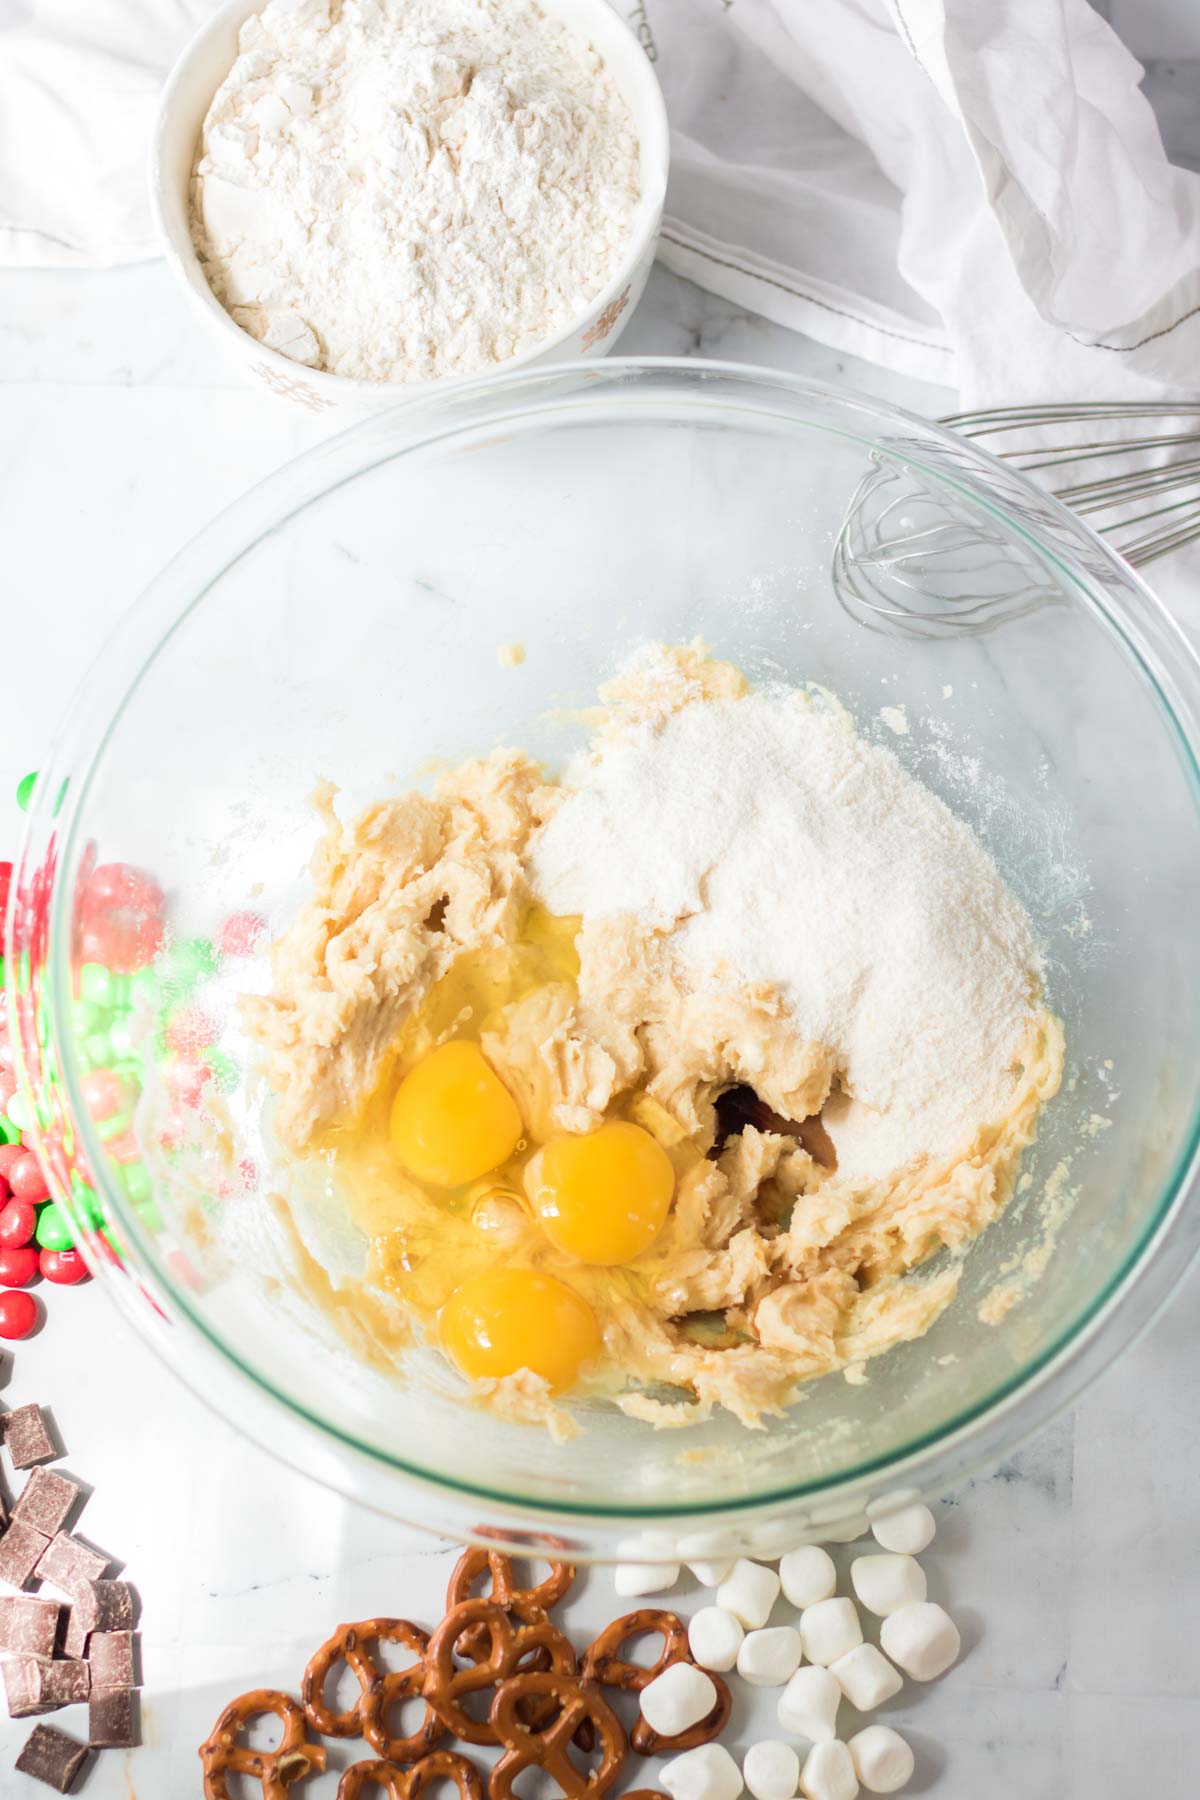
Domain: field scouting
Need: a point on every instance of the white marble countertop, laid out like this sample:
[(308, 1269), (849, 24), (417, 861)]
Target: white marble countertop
[(1076, 1567)]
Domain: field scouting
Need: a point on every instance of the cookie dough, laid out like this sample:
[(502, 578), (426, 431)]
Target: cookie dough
[(774, 1266)]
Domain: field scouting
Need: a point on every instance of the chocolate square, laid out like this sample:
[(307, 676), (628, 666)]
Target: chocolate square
[(112, 1718), (65, 1683), (112, 1605), (28, 1626), (34, 1684), (77, 1635), (71, 1564), (51, 1756), (113, 1659), (27, 1437), (22, 1676), (45, 1501), (21, 1550)]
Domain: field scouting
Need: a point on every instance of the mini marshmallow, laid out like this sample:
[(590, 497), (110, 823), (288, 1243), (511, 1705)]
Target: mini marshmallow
[(882, 1760), (866, 1677), (633, 1578), (828, 1773), (808, 1575), (708, 1773), (771, 1770), (845, 1533), (809, 1705), (679, 1697), (769, 1658), (709, 1555), (768, 1542), (886, 1583), (828, 1630), (908, 1531), (749, 1592), (715, 1637), (923, 1639)]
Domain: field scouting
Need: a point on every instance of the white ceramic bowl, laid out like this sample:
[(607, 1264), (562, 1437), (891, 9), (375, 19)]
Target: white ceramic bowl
[(185, 102)]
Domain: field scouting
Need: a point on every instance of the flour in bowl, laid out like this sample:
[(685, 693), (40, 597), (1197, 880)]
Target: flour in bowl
[(398, 190), (766, 841)]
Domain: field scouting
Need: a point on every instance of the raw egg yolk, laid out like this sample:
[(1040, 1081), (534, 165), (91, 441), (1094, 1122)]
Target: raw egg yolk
[(512, 1319), (453, 1119), (603, 1198)]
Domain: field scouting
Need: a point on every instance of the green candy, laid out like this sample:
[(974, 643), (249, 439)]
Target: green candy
[(86, 1017), (225, 1071), (147, 1211), (98, 1049), (87, 1202), (113, 1126), (120, 1036), (136, 1177), (189, 963), (53, 1232), (96, 985), (19, 1114), (120, 992), (9, 1133), (114, 1243), (25, 789)]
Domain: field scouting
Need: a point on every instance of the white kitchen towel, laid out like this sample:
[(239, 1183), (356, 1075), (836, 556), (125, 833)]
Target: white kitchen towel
[(974, 191)]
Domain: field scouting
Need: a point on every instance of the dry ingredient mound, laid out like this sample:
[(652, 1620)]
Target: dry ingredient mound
[(397, 190), (766, 841)]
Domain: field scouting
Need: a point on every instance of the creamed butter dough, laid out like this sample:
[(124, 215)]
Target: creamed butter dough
[(772, 1268)]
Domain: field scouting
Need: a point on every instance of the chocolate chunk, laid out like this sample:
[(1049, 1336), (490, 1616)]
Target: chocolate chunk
[(51, 1756), (34, 1684), (27, 1438), (70, 1564), (29, 1626), (22, 1676), (112, 1656), (112, 1718), (77, 1636), (46, 1501), (112, 1605), (21, 1550)]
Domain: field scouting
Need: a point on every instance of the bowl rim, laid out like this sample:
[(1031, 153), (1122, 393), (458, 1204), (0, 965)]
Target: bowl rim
[(408, 429), (608, 29)]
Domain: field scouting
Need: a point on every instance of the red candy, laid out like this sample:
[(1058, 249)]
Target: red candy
[(18, 1313), (18, 1267), (104, 1093), (18, 1222), (10, 1154), (26, 1180), (190, 1032), (66, 1267), (6, 875), (186, 1081), (240, 934), (8, 1088), (121, 918)]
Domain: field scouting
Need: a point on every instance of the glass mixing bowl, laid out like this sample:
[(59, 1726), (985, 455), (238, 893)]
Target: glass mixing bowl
[(343, 621)]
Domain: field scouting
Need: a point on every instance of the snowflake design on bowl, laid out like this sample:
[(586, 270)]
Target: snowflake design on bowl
[(607, 320), (291, 387)]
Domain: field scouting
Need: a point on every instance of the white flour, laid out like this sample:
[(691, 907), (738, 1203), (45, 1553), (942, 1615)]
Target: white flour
[(778, 846), (403, 189)]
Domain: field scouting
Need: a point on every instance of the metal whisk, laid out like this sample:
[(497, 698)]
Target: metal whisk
[(909, 558)]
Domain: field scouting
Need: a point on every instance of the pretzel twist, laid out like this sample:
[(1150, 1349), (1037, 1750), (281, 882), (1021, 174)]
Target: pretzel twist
[(292, 1759)]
